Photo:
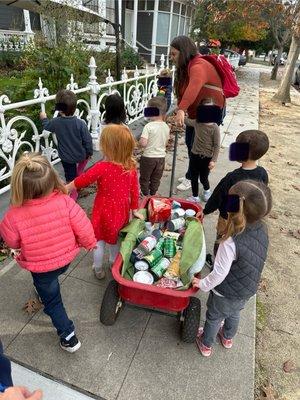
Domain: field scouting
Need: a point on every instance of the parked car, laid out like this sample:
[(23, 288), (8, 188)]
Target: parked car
[(233, 57), (243, 59), (297, 76), (281, 62)]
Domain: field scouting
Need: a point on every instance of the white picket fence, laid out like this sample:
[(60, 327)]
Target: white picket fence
[(136, 92)]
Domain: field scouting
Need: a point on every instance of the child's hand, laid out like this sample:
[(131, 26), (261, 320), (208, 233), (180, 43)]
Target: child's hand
[(69, 187), (138, 215), (43, 115), (211, 165), (196, 282)]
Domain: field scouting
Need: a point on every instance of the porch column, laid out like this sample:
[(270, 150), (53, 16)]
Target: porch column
[(120, 12), (154, 30), (27, 24), (135, 17), (170, 30)]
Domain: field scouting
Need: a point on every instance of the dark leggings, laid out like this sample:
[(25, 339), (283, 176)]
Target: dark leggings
[(199, 167)]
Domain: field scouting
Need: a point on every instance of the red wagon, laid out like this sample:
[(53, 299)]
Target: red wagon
[(168, 301)]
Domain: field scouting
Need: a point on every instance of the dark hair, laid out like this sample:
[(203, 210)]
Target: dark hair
[(115, 112), (68, 100), (258, 143), (188, 50), (159, 102)]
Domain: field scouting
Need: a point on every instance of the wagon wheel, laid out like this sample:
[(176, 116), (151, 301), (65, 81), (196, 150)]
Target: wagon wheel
[(111, 304), (191, 320)]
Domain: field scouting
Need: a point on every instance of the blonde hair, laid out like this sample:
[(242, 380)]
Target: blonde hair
[(33, 177), (255, 203), (117, 144)]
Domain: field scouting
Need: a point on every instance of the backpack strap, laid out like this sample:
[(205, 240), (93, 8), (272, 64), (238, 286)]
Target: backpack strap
[(213, 87)]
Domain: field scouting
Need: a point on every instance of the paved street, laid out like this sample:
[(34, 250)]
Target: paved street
[(141, 356)]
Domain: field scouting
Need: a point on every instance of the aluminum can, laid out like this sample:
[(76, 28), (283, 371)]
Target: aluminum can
[(148, 244), (160, 244), (143, 277), (169, 247), (153, 258), (159, 269), (141, 266), (176, 224)]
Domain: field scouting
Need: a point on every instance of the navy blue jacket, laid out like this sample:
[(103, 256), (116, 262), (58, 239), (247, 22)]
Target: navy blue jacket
[(5, 371)]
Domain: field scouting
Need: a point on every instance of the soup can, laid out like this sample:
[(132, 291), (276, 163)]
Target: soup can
[(159, 269), (143, 277), (153, 258), (169, 247), (160, 244), (176, 224), (141, 266)]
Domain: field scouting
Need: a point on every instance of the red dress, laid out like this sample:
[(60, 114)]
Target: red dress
[(117, 194)]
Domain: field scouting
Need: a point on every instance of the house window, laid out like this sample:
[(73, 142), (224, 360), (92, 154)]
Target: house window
[(150, 5), (176, 7), (187, 26), (129, 4), (94, 6), (163, 21), (189, 11), (110, 15), (183, 8), (181, 27), (142, 5), (91, 4), (174, 26), (164, 5)]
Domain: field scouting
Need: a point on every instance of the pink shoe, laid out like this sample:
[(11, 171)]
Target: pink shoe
[(204, 350), (227, 343)]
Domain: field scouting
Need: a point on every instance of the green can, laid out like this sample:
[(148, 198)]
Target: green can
[(169, 247), (160, 245), (159, 269), (153, 258)]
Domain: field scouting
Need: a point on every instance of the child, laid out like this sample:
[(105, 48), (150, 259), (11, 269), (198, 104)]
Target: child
[(74, 140), (238, 265), (48, 228), (164, 83), (206, 146), (117, 191), (115, 112), (154, 140), (258, 144)]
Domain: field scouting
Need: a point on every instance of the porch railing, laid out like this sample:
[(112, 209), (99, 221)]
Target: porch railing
[(19, 132)]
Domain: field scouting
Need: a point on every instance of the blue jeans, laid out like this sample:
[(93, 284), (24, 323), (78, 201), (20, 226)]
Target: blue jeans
[(189, 140), (70, 171), (47, 286), (219, 309), (5, 371)]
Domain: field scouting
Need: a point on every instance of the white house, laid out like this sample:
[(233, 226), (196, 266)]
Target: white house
[(147, 25)]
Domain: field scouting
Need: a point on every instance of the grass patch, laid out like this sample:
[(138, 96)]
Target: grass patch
[(261, 315)]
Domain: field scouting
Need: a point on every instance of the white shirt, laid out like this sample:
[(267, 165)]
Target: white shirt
[(224, 258), (157, 133)]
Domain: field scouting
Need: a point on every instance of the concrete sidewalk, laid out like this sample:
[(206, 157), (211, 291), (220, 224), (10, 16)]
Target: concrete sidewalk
[(141, 356)]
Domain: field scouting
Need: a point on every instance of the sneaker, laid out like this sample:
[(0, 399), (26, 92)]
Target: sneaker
[(100, 274), (70, 345), (204, 350), (181, 179), (184, 185), (227, 343), (194, 199), (206, 195)]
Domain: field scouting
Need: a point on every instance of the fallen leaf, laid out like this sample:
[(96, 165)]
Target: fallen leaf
[(32, 306), (291, 163), (271, 161), (289, 366), (287, 213), (294, 233), (268, 393), (296, 187)]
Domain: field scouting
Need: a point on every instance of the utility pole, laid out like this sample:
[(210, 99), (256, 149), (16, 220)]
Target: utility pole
[(116, 27)]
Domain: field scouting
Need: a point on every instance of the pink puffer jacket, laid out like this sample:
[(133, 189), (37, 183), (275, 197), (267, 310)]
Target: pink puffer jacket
[(49, 232)]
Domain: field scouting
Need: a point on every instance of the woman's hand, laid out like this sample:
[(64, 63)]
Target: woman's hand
[(196, 282), (138, 215), (211, 165), (179, 118)]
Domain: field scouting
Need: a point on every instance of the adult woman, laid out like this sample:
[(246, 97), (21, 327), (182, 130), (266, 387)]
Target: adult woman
[(196, 79)]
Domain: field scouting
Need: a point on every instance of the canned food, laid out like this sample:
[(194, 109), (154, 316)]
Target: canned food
[(190, 213), (153, 258), (141, 265), (180, 212), (169, 247), (143, 277), (176, 224), (159, 269), (148, 244), (160, 244)]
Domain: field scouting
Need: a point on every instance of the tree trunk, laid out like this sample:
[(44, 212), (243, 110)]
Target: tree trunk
[(283, 93), (276, 64)]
